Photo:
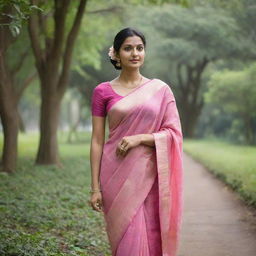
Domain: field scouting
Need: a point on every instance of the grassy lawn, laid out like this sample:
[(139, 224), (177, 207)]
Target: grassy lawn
[(44, 210), (234, 164)]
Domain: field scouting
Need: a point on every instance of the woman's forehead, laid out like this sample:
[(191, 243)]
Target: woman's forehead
[(133, 40)]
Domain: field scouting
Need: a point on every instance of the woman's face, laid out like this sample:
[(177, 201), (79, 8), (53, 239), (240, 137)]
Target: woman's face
[(132, 52)]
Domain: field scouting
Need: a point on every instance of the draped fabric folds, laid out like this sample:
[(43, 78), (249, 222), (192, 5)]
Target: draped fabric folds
[(142, 191)]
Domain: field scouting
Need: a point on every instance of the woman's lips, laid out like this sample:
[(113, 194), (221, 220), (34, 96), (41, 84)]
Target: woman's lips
[(134, 60)]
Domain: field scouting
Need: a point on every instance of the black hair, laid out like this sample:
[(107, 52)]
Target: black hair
[(120, 38)]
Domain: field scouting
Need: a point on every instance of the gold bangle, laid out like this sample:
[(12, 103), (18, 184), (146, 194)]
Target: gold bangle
[(95, 190)]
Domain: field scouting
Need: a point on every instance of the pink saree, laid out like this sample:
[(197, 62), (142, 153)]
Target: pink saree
[(142, 191)]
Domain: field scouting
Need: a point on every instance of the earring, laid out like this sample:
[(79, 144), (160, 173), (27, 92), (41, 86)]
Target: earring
[(118, 64)]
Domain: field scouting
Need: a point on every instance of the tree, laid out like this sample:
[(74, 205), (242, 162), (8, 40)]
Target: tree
[(53, 64), (11, 19), (188, 40), (244, 13), (235, 92)]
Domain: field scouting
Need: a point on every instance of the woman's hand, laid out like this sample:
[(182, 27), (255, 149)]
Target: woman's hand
[(96, 201), (127, 143)]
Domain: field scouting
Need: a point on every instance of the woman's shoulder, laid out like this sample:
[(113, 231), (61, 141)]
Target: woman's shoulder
[(158, 80), (161, 82), (101, 87), (167, 86)]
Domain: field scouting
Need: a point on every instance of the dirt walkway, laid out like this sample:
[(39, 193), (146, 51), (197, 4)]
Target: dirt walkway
[(215, 221)]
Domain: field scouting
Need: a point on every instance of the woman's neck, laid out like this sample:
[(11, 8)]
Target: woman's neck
[(130, 76)]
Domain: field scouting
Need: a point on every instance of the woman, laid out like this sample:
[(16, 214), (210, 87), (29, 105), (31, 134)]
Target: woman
[(137, 172)]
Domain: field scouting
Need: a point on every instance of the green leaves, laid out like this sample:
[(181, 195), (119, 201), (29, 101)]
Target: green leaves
[(192, 34), (235, 91), (44, 210), (14, 13)]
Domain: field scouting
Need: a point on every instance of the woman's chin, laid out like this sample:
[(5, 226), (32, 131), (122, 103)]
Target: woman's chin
[(132, 66)]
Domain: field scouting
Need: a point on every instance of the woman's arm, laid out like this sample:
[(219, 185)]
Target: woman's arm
[(128, 142), (97, 142), (147, 139)]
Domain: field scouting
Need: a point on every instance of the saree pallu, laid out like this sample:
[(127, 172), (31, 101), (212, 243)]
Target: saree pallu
[(142, 191)]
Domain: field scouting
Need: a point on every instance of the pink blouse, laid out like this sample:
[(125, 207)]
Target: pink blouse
[(103, 97)]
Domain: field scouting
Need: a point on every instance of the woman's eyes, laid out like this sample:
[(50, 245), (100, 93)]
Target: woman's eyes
[(139, 48)]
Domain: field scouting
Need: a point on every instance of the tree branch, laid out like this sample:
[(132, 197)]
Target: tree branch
[(25, 84), (70, 45), (34, 38), (189, 79), (20, 62), (199, 68), (42, 20), (60, 14)]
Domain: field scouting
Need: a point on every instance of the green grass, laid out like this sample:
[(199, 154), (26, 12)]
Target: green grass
[(234, 164), (44, 210)]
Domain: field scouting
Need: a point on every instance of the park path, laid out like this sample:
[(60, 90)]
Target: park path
[(215, 221)]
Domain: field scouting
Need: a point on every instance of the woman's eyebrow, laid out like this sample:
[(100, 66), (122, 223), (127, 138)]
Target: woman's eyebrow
[(132, 45)]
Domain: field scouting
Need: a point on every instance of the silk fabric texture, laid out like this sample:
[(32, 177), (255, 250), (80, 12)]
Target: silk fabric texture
[(146, 180)]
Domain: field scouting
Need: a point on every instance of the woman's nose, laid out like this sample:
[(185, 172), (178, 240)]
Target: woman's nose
[(135, 52)]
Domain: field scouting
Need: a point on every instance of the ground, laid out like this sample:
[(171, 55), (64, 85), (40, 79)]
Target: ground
[(216, 222)]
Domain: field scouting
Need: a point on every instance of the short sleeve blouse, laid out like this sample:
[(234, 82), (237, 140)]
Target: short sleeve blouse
[(103, 97)]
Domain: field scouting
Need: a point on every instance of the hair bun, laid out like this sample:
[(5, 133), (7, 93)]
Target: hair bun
[(114, 62)]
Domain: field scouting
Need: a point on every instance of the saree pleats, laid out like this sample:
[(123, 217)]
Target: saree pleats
[(143, 236), (142, 192)]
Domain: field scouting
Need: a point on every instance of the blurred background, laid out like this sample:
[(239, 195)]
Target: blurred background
[(53, 54)]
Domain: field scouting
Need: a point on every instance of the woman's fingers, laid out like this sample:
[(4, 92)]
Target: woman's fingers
[(118, 151), (124, 152), (96, 207), (96, 204), (122, 148)]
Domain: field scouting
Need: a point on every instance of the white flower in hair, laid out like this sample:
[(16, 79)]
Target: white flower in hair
[(111, 53)]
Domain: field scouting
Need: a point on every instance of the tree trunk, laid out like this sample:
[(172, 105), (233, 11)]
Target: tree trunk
[(190, 98), (74, 120), (73, 131), (48, 152), (10, 129), (189, 117), (249, 133), (9, 118), (9, 95), (21, 124)]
